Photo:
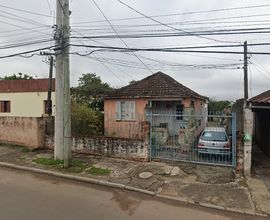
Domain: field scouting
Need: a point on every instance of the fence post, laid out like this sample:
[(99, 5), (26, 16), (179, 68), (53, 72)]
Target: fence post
[(234, 139), (150, 136)]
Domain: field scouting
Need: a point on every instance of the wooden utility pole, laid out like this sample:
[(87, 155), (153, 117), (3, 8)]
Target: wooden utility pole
[(245, 72), (62, 147), (49, 97)]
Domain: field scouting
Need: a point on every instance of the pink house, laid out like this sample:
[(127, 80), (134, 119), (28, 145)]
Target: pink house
[(128, 110)]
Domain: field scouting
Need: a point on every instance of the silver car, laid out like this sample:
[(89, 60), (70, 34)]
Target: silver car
[(214, 140)]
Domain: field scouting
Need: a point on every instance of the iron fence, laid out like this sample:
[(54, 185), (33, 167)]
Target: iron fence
[(197, 138)]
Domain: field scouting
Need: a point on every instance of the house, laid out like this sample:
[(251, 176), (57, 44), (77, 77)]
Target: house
[(158, 99), (25, 98), (260, 105)]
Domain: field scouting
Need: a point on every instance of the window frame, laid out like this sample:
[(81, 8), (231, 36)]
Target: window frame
[(5, 106), (125, 110)]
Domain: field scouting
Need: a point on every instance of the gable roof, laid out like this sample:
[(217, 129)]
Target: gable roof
[(29, 85), (158, 85), (263, 98)]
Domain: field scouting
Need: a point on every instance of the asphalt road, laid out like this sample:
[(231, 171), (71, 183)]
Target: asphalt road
[(26, 196)]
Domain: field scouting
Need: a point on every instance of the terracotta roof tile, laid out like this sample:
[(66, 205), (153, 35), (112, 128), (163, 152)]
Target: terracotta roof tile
[(263, 98), (29, 85), (158, 85)]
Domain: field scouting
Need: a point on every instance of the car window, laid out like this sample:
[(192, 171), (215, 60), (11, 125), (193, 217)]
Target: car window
[(214, 136)]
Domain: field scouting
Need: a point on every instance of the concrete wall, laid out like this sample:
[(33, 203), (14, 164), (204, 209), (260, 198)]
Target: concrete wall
[(26, 104), (244, 128), (105, 146), (23, 131)]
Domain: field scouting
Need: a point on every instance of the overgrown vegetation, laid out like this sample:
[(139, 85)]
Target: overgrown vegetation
[(86, 121), (87, 105)]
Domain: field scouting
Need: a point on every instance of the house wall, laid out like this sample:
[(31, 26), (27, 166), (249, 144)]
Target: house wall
[(136, 129), (139, 128), (27, 104), (27, 131)]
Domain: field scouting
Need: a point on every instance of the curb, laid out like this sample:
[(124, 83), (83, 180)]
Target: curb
[(125, 187)]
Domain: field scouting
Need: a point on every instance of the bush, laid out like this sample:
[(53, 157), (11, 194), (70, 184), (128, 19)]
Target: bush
[(86, 121)]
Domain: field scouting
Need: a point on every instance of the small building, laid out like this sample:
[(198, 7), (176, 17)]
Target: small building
[(260, 105), (127, 110), (25, 98)]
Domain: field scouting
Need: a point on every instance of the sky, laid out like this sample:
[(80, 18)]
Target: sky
[(218, 76)]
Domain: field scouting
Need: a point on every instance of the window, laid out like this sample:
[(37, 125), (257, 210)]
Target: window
[(125, 110), (4, 106), (179, 111), (192, 104)]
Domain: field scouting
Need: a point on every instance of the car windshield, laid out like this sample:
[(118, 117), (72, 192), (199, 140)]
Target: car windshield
[(214, 136)]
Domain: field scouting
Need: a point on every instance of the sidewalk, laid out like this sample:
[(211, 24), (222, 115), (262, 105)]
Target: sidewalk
[(209, 186)]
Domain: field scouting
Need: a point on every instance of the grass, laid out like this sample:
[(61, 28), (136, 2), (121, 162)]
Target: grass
[(76, 167), (48, 161), (98, 171)]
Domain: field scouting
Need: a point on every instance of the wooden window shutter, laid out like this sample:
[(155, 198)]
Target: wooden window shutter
[(132, 110), (8, 106), (118, 110)]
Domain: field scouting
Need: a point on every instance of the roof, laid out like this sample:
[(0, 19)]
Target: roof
[(263, 98), (29, 85), (158, 85)]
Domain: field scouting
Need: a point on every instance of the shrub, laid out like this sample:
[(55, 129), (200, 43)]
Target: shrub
[(85, 121)]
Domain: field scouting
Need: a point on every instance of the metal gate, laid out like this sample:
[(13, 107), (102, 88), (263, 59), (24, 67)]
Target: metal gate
[(206, 139)]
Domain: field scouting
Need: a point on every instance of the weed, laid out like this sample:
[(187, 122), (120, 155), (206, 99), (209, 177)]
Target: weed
[(98, 171), (48, 161)]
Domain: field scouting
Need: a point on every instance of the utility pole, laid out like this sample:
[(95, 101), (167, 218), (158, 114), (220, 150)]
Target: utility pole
[(49, 97), (245, 72), (62, 147)]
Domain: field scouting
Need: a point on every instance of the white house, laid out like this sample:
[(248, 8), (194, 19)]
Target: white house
[(25, 98)]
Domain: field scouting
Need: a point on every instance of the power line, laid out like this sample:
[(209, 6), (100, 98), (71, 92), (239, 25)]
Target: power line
[(25, 11), (177, 14), (175, 34), (21, 19), (118, 49), (169, 26), (26, 52), (119, 35)]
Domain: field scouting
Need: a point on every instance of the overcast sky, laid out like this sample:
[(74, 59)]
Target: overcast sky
[(223, 81)]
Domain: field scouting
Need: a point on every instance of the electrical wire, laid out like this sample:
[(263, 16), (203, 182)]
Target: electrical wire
[(171, 27), (119, 35), (176, 14), (25, 11)]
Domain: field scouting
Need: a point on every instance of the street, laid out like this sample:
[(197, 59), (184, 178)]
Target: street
[(31, 196)]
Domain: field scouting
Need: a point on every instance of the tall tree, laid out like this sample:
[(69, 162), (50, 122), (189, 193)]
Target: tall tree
[(91, 91)]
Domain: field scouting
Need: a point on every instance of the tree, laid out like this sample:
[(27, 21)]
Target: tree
[(91, 91), (217, 106), (19, 76)]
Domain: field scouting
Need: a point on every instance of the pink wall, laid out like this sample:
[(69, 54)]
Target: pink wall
[(136, 129), (125, 129)]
